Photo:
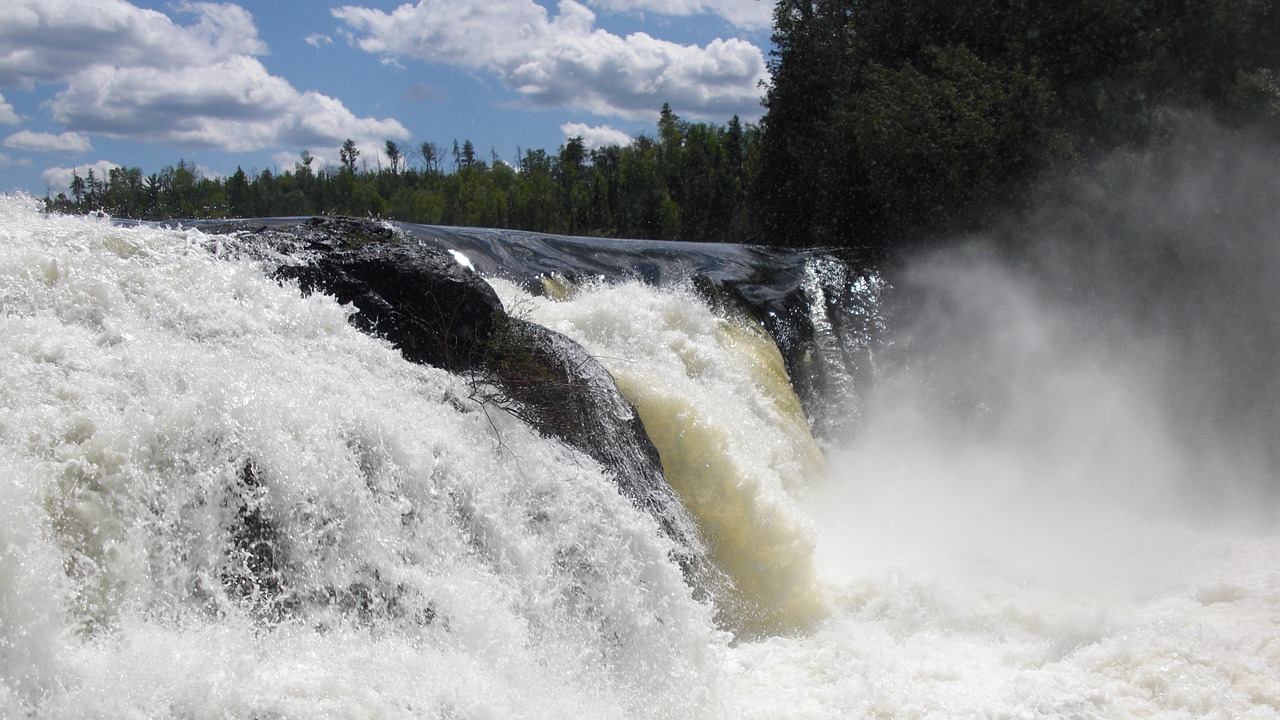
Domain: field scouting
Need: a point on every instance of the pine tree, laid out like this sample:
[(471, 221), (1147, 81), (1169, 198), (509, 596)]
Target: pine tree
[(348, 154)]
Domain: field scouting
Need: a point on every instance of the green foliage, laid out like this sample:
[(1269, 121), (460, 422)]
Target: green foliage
[(889, 120), (936, 143), (688, 186), (393, 156), (348, 154)]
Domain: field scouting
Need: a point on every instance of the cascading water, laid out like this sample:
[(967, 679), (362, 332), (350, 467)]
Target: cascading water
[(220, 500), (714, 397), (223, 501)]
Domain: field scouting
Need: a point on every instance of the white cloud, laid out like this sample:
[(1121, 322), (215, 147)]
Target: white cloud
[(317, 40), (48, 142), (7, 115), (58, 179), (135, 74), (567, 61), (234, 105), (595, 137), (745, 14), (53, 40)]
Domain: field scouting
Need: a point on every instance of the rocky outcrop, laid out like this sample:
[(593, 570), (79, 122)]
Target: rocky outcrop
[(820, 306), (418, 297), (559, 388), (437, 312)]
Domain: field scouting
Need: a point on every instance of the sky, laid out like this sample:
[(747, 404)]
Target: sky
[(100, 83)]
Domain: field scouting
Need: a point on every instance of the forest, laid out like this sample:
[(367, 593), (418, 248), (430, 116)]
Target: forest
[(886, 123), (689, 183)]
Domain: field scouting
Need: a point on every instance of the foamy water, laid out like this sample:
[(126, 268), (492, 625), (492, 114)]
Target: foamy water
[(970, 572), (438, 559), (434, 558)]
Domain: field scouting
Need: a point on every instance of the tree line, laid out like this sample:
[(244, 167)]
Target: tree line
[(886, 122), (890, 121), (690, 182)]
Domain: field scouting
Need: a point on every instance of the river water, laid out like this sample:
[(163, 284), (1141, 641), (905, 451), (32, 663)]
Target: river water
[(1017, 525)]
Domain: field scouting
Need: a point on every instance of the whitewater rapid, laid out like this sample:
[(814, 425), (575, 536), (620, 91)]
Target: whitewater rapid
[(439, 559), (959, 574), (435, 558)]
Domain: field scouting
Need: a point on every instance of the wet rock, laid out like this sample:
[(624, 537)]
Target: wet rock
[(436, 312), (558, 388), (418, 297), (254, 574)]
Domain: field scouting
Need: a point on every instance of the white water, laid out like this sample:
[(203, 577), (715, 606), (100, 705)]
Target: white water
[(140, 374), (1027, 571), (713, 396), (944, 571)]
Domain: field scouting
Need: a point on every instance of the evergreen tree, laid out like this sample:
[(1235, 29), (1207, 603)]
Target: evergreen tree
[(888, 120), (77, 187), (239, 201), (806, 172), (348, 154), (393, 156)]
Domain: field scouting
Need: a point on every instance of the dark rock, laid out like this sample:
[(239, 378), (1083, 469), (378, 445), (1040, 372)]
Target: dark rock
[(254, 574), (436, 312), (558, 388), (417, 297), (804, 298)]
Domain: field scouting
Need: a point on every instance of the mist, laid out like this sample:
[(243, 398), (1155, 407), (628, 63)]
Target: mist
[(1083, 392)]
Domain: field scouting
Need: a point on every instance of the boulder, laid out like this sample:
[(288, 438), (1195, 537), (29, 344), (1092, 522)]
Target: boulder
[(418, 297), (436, 312)]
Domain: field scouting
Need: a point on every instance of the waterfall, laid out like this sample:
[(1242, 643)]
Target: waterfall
[(935, 487), (224, 499), (714, 396)]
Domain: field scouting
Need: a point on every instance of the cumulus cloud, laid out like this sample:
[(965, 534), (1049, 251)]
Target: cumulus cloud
[(316, 40), (53, 40), (232, 105), (595, 137), (7, 114), (58, 179), (745, 14), (133, 73), (48, 142), (565, 60)]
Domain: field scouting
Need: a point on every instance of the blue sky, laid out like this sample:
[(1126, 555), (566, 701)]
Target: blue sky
[(96, 83)]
